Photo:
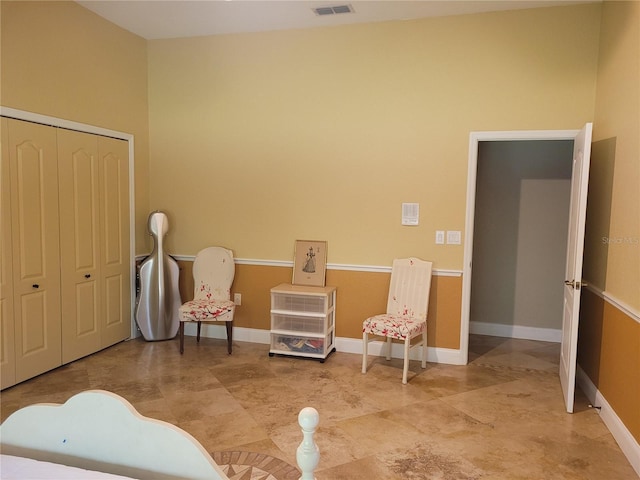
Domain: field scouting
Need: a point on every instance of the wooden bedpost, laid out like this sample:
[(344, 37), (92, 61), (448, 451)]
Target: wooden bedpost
[(307, 454)]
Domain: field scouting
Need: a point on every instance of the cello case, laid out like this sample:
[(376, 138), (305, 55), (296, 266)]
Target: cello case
[(158, 300)]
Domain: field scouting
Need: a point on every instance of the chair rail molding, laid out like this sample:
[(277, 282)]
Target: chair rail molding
[(614, 301), (438, 272)]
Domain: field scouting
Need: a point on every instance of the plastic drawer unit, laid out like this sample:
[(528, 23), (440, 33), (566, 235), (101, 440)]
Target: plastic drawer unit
[(303, 321)]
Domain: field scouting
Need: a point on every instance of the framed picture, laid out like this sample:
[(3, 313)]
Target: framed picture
[(310, 263)]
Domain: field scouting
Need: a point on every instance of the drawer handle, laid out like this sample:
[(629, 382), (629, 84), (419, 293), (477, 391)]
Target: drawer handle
[(87, 275), (35, 285)]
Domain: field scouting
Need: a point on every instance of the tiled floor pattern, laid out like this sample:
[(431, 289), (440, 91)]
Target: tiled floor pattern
[(254, 466), (500, 417)]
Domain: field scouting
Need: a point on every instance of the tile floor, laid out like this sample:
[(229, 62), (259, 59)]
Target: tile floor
[(500, 417)]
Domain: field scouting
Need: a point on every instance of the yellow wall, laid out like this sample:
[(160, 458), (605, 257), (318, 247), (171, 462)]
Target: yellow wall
[(261, 139), (617, 122), (61, 60), (609, 336)]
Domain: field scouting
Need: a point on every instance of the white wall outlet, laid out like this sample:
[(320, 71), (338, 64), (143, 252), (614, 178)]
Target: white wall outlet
[(454, 237), (439, 237), (237, 298)]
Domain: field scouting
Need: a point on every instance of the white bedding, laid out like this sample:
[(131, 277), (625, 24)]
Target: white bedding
[(19, 468)]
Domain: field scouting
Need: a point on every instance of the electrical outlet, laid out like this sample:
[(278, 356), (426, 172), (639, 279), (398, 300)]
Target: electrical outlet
[(439, 237), (237, 298)]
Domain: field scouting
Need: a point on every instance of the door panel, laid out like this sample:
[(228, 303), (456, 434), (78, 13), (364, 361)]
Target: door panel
[(115, 251), (573, 271), (87, 310), (7, 331), (78, 162), (33, 322), (35, 247)]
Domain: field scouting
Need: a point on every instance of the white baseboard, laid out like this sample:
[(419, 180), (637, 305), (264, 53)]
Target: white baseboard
[(516, 331), (219, 330), (377, 348), (621, 434), (343, 344)]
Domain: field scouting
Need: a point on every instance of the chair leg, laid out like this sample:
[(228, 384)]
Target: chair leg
[(405, 369), (424, 349), (389, 345), (229, 336), (181, 337), (365, 343), (198, 336)]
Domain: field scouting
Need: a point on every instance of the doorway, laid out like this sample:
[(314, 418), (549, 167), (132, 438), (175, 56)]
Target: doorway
[(513, 139), (520, 236)]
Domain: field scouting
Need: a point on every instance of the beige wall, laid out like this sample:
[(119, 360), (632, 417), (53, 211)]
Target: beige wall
[(61, 60), (615, 203), (541, 258), (261, 139), (609, 336)]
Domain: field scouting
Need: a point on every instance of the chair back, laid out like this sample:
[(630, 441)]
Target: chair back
[(213, 272), (409, 289)]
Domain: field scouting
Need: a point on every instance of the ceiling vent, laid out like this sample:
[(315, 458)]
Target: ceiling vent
[(320, 11)]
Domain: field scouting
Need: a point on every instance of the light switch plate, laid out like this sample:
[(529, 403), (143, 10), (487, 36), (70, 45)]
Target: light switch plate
[(439, 237), (453, 237)]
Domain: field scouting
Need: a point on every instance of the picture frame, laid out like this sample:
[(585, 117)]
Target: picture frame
[(310, 263)]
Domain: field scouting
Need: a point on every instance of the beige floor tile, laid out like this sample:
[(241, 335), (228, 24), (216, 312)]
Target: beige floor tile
[(368, 468), (500, 417)]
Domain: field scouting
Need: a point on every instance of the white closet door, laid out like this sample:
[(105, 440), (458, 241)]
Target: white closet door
[(33, 172), (80, 244), (94, 218), (115, 250), (7, 331)]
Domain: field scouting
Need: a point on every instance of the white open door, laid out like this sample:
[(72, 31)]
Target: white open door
[(573, 274)]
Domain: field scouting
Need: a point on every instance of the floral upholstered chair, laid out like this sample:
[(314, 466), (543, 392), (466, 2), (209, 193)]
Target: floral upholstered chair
[(213, 272), (406, 316)]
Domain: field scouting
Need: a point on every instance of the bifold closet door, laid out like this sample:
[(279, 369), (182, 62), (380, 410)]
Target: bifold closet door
[(80, 243), (35, 247), (7, 335), (94, 221), (115, 249)]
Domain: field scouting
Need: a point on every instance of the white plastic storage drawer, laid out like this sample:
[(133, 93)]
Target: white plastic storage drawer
[(297, 345), (303, 321), (294, 323), (299, 303)]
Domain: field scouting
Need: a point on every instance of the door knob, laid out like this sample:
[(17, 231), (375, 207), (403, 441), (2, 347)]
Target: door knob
[(575, 285)]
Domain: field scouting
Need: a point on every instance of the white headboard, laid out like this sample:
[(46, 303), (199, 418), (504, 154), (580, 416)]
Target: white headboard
[(99, 430)]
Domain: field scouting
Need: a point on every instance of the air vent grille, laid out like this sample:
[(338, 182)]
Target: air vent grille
[(333, 10)]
